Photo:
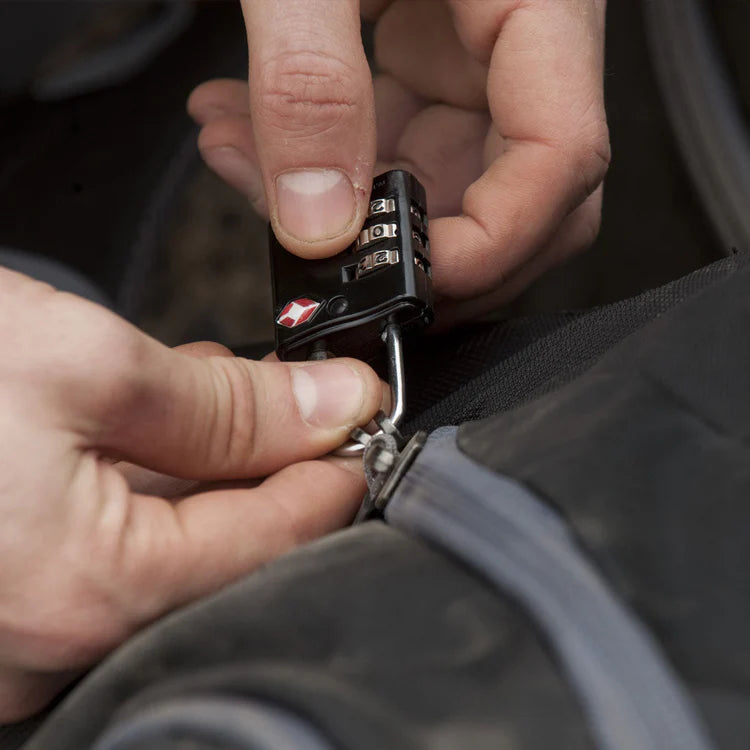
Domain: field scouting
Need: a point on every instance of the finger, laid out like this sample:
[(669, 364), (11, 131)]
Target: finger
[(218, 98), (372, 9), (202, 349), (220, 417), (226, 140), (170, 554), (416, 43), (25, 692), (443, 146), (576, 233), (147, 482), (313, 119), (385, 400), (395, 107), (212, 538), (545, 95), (228, 147)]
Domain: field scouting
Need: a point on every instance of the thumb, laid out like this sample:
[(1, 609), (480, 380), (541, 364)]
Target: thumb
[(313, 119), (222, 417)]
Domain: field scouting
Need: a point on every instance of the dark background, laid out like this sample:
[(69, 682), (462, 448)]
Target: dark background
[(110, 181)]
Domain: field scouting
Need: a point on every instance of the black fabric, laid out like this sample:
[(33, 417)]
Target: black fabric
[(371, 636), (12, 736), (480, 371), (648, 455), (630, 695), (381, 642), (375, 637)]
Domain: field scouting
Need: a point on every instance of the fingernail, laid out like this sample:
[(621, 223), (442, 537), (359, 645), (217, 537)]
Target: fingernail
[(315, 204), (329, 394), (237, 170)]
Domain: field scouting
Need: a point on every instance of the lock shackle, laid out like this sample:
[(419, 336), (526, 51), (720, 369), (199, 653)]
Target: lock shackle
[(396, 376), (397, 382)]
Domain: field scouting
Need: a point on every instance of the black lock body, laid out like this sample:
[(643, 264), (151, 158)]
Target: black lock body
[(341, 305)]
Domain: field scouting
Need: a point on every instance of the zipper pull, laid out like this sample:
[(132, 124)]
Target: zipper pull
[(387, 457)]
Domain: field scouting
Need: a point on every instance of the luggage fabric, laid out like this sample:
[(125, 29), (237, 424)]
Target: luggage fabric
[(631, 423), (629, 693)]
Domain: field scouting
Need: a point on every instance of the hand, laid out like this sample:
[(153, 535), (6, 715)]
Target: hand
[(91, 549), (496, 105)]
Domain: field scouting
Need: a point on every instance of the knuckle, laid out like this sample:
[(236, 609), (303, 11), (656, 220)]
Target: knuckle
[(234, 433), (110, 383), (592, 154), (20, 299), (590, 228), (71, 631), (85, 359), (307, 91), (295, 527), (119, 354), (586, 222)]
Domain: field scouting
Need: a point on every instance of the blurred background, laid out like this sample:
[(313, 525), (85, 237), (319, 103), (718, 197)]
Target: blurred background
[(99, 169)]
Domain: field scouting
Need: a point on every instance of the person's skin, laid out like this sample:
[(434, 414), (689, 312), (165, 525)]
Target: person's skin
[(93, 548), (496, 105)]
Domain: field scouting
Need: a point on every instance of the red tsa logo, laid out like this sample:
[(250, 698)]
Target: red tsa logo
[(297, 312)]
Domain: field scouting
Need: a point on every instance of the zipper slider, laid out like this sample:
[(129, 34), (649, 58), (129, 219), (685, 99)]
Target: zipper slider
[(387, 457)]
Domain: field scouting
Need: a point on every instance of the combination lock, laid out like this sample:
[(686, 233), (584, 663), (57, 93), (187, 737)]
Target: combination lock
[(341, 306), (356, 304)]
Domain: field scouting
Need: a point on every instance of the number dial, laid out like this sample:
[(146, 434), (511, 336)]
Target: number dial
[(384, 277)]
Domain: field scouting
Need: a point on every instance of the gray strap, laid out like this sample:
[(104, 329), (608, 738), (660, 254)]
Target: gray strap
[(629, 692), (213, 722)]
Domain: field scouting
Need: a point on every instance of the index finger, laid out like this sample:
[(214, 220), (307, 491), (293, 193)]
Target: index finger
[(550, 145), (206, 537)]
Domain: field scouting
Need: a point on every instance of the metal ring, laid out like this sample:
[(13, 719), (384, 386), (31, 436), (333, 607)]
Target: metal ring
[(396, 379)]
